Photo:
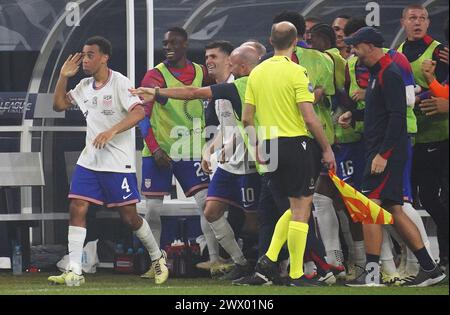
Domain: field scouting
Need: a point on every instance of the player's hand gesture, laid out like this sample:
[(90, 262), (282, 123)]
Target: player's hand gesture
[(71, 65), (162, 160), (428, 67), (146, 94), (345, 120), (103, 138)]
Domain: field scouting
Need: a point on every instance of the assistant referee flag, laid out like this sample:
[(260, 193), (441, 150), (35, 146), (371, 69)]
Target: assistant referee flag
[(361, 208)]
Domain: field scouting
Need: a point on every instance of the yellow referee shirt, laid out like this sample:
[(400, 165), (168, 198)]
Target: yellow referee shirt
[(275, 87)]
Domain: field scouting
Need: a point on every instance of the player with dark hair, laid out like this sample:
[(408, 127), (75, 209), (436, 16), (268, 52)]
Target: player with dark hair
[(105, 173), (162, 156), (310, 21), (338, 26), (386, 142), (236, 182)]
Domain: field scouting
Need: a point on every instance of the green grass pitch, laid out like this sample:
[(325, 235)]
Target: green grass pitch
[(108, 283)]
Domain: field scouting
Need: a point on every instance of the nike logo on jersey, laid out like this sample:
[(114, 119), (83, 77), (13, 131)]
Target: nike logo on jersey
[(365, 191), (125, 197), (431, 150), (203, 179)]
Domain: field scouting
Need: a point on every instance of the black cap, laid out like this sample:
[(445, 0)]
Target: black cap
[(366, 34)]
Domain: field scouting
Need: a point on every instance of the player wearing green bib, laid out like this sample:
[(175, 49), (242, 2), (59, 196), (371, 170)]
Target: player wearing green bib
[(173, 137), (431, 142), (235, 181)]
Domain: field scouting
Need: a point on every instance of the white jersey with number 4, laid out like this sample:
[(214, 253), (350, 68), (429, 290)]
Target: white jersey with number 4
[(103, 107)]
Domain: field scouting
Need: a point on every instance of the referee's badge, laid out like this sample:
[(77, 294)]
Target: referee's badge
[(310, 87), (148, 183)]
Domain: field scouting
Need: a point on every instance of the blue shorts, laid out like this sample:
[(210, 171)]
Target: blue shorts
[(241, 191), (158, 181), (350, 162), (407, 191), (112, 189)]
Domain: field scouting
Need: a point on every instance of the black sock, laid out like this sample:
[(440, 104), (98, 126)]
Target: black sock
[(371, 261), (424, 259), (370, 258)]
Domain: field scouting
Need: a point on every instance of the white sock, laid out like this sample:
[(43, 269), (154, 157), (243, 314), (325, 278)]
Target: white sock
[(414, 216), (309, 268), (76, 237), (412, 264), (359, 253), (225, 235), (148, 240), (153, 217), (345, 227), (328, 227), (211, 241), (386, 257)]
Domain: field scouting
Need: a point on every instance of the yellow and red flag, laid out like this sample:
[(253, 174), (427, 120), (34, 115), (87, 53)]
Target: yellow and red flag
[(361, 208)]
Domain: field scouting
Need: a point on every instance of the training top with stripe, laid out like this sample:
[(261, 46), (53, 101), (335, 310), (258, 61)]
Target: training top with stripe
[(385, 112)]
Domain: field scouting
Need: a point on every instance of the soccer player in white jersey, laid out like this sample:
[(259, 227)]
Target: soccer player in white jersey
[(105, 173)]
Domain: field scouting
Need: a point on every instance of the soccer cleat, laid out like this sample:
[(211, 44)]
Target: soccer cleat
[(61, 279), (425, 278), (219, 268), (254, 279), (161, 270), (304, 281), (150, 274), (74, 280), (391, 279), (268, 268), (351, 273), (328, 278), (237, 272), (365, 280), (205, 265), (338, 271)]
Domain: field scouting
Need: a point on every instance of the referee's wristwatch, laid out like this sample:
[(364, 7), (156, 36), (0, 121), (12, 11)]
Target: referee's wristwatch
[(157, 95)]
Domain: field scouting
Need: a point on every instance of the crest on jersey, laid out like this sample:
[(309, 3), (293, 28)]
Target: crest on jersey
[(107, 100), (148, 183)]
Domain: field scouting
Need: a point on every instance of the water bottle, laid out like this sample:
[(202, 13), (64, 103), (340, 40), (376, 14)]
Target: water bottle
[(119, 249), (17, 260)]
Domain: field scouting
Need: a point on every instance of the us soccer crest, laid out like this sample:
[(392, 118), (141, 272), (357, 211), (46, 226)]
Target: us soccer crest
[(148, 183), (107, 100)]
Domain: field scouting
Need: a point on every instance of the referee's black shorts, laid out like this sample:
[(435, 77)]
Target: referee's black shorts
[(297, 169), (387, 186)]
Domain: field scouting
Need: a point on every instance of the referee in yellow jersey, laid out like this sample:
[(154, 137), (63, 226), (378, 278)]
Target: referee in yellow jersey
[(279, 95)]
